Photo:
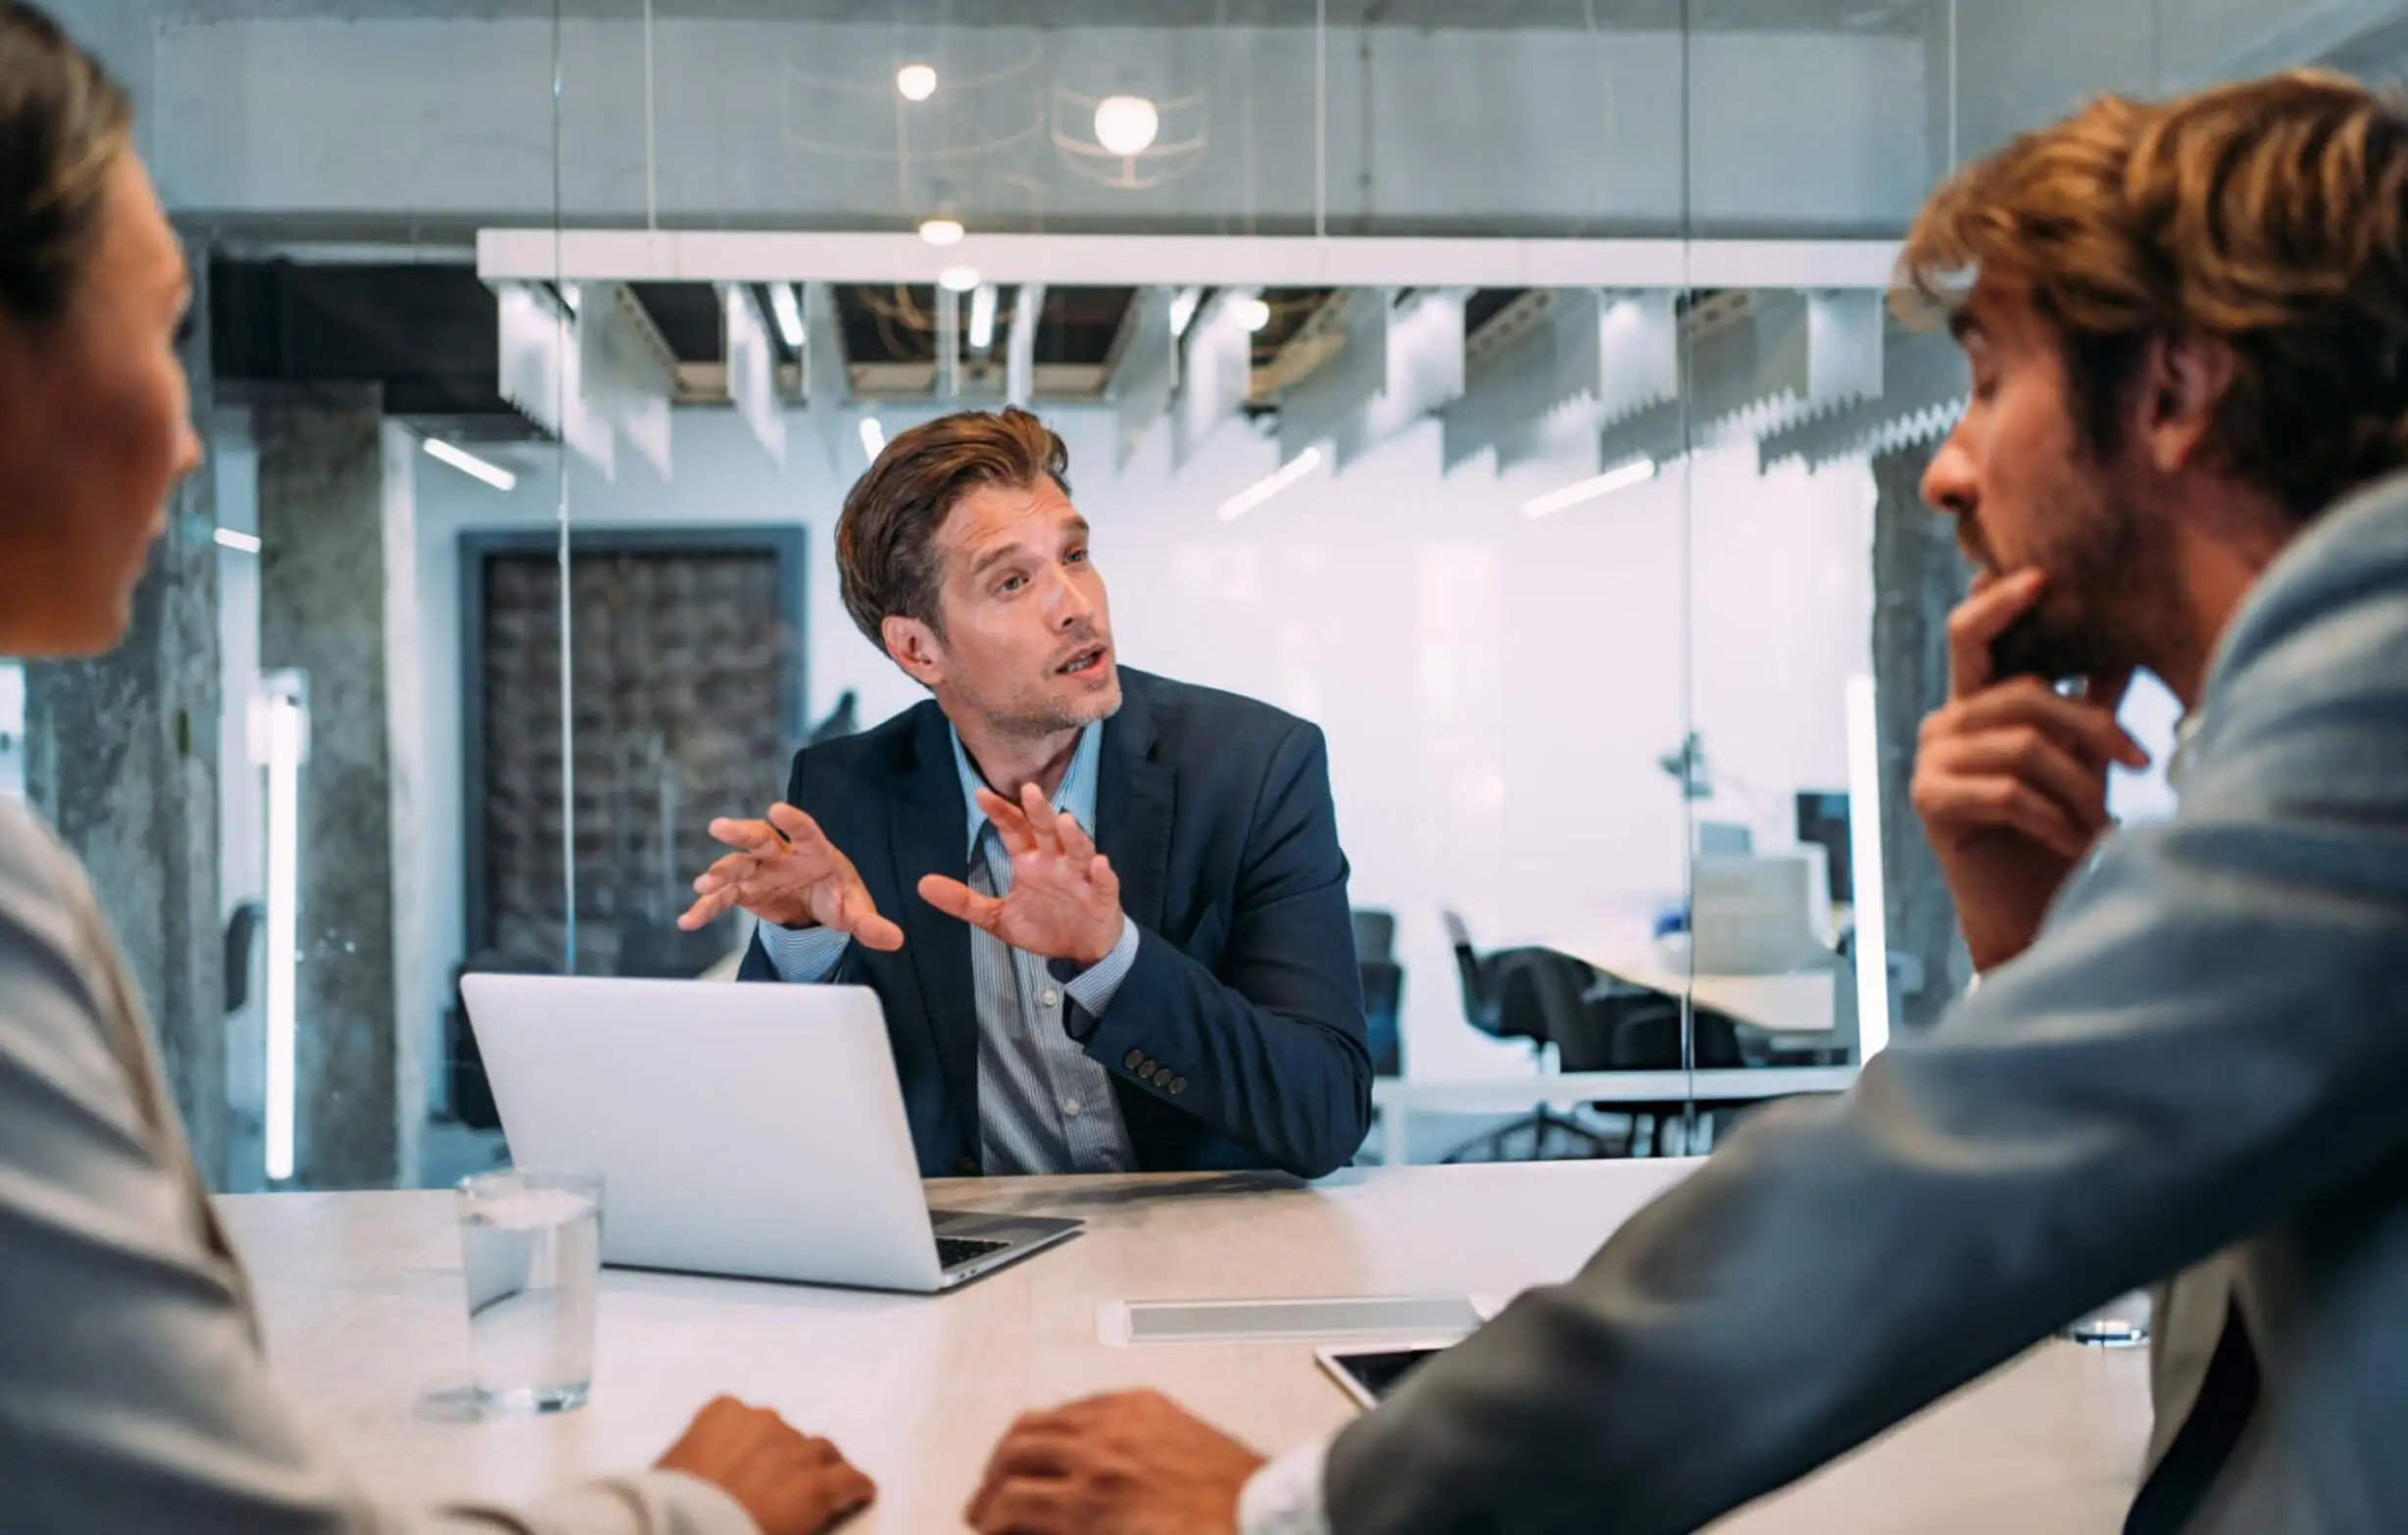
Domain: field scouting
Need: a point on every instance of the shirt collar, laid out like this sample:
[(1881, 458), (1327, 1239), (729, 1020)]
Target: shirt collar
[(2186, 744), (1076, 795)]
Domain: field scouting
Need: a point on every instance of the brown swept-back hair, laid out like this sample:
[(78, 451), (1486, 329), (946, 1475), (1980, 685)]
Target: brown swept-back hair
[(2272, 215), (886, 553), (62, 124)]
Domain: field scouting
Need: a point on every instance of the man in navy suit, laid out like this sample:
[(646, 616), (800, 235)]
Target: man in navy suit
[(1105, 913)]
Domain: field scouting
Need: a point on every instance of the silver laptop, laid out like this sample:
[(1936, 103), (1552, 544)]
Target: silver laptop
[(748, 1130)]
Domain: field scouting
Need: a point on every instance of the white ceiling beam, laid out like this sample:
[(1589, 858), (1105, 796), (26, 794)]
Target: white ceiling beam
[(1215, 369), (828, 377), (1020, 346), (1146, 373), (1178, 260)]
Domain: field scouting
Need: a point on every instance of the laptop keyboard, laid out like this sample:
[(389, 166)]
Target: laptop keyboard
[(954, 1252)]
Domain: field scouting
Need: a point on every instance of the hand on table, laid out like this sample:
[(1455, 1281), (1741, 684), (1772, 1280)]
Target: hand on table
[(1064, 901), (1131, 1464), (2011, 778), (791, 1484), (786, 870)]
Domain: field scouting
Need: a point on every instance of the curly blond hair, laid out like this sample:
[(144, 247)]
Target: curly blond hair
[(2271, 214)]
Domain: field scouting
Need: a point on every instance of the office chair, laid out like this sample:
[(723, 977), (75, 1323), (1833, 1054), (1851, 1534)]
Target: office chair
[(1383, 1004), (1382, 981), (1375, 934), (1645, 1035), (1542, 996)]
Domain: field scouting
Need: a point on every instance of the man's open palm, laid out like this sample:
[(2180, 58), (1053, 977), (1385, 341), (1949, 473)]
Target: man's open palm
[(1064, 900)]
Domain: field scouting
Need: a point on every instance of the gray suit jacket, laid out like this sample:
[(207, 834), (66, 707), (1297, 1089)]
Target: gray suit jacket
[(2204, 1055), (133, 1394)]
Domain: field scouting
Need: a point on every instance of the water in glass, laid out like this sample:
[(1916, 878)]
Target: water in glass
[(531, 1250)]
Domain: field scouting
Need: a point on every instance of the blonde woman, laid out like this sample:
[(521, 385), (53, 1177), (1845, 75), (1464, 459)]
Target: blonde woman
[(133, 1397)]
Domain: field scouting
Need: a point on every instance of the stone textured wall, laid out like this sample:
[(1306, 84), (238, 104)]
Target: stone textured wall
[(323, 596), (1918, 577)]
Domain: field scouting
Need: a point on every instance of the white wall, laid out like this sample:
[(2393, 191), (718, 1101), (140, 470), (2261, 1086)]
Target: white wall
[(1496, 690)]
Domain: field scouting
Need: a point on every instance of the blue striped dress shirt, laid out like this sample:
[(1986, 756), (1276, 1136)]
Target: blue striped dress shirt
[(1044, 1105)]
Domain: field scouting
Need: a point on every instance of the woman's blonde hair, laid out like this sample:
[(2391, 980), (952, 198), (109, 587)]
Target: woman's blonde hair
[(62, 124), (2271, 214)]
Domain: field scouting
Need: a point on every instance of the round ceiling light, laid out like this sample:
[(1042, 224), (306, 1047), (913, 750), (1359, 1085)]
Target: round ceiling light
[(957, 279), (916, 82), (1126, 125), (1254, 312), (940, 231)]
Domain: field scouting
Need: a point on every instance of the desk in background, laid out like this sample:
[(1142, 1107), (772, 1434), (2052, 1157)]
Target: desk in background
[(1399, 1099), (361, 1294)]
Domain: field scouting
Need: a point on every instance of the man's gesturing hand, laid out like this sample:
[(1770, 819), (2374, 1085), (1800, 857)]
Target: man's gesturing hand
[(785, 871), (1064, 901)]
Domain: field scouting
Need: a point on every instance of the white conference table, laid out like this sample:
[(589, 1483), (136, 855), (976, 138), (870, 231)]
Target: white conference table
[(1791, 1003), (361, 1294)]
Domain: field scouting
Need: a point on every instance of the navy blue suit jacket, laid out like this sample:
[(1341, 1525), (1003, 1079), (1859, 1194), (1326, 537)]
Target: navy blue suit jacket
[(1215, 811)]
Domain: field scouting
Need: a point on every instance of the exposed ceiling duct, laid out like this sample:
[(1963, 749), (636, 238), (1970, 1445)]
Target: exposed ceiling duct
[(1761, 366), (627, 369), (828, 382), (1591, 359), (1216, 370), (1147, 369), (1399, 358), (1923, 385)]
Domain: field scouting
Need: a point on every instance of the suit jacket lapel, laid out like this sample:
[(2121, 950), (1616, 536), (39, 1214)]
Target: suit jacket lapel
[(928, 836), (1134, 798)]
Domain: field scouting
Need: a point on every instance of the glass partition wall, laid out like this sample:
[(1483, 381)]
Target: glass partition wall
[(1506, 388)]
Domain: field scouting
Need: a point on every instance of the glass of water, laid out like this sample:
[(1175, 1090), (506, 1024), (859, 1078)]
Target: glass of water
[(530, 1247)]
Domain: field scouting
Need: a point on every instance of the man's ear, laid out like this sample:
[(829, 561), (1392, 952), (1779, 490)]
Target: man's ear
[(2183, 381), (916, 648)]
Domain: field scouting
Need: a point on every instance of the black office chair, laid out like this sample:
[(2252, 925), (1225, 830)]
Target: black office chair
[(1383, 1007), (1645, 1035), (1542, 996), (1375, 934), (1383, 980)]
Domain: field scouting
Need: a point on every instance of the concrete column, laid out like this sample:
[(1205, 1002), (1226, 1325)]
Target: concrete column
[(121, 759), (324, 600), (1918, 577)]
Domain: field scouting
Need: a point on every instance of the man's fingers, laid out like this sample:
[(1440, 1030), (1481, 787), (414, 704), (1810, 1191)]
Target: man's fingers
[(1010, 821), (2032, 757), (1981, 617), (869, 929), (848, 1490), (2003, 802), (798, 829), (1076, 845), (957, 900), (2077, 723), (1036, 1451), (1043, 823), (750, 836), (733, 870), (706, 909), (1027, 1507)]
